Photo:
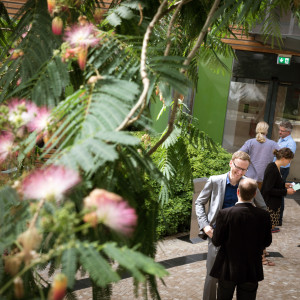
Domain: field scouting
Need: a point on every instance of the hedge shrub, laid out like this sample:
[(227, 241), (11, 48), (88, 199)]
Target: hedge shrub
[(174, 216)]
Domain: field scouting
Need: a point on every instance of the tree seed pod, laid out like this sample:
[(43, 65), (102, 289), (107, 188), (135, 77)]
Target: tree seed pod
[(59, 287), (57, 25), (12, 264), (18, 288)]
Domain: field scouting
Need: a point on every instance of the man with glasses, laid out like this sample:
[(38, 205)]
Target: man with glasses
[(220, 191), (285, 141)]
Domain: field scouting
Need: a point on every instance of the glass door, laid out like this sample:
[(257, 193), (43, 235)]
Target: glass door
[(251, 101), (245, 108)]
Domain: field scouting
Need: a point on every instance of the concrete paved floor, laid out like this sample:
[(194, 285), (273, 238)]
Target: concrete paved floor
[(185, 281)]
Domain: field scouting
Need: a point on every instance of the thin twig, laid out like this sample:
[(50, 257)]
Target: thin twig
[(141, 14), (145, 79), (170, 127), (202, 33), (178, 8), (138, 115), (34, 219), (42, 259), (167, 50), (167, 11), (186, 63)]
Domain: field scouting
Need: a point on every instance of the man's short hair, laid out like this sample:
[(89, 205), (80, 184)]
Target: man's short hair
[(247, 187), (240, 155), (287, 125)]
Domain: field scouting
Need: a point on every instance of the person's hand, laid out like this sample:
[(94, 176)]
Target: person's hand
[(291, 191), (288, 185), (208, 230)]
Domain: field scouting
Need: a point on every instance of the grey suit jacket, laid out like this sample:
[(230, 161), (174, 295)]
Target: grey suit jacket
[(213, 193)]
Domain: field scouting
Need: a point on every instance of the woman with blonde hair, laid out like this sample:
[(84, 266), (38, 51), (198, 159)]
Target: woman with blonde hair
[(260, 150)]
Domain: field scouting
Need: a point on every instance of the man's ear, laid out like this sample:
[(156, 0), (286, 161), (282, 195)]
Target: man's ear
[(238, 191)]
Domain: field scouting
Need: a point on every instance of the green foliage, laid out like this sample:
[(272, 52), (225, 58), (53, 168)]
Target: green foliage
[(93, 91), (135, 262), (184, 156), (35, 67), (13, 215), (175, 216), (68, 262), (205, 163), (92, 262)]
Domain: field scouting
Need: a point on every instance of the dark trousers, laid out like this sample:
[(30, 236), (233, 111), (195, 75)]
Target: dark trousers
[(284, 173), (244, 291)]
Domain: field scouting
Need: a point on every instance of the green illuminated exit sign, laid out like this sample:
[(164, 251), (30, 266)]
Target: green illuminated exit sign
[(283, 59)]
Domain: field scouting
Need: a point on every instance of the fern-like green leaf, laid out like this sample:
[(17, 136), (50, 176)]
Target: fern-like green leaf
[(122, 137), (2, 271), (29, 144), (13, 217), (164, 194), (134, 261), (172, 138), (124, 12), (114, 19), (69, 265), (98, 268)]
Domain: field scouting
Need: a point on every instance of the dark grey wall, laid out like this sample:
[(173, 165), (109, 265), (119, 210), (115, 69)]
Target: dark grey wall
[(263, 66)]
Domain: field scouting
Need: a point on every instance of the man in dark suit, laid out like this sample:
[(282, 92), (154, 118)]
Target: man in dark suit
[(220, 191), (242, 232)]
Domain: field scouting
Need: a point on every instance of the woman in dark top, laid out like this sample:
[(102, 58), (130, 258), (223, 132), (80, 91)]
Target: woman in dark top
[(273, 187)]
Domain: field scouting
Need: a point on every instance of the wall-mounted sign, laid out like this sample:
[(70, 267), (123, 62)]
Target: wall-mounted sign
[(283, 59)]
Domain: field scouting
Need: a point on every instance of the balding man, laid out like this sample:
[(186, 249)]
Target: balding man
[(242, 232), (220, 191)]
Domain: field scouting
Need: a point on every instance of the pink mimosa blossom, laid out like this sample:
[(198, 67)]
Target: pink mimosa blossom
[(83, 36), (6, 145), (41, 120), (21, 111), (70, 53), (50, 183), (80, 38), (111, 210)]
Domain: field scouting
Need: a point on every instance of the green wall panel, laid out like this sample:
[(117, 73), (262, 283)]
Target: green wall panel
[(160, 124), (211, 100)]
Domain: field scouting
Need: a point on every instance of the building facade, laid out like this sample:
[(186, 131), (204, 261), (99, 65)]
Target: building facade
[(258, 88), (264, 85)]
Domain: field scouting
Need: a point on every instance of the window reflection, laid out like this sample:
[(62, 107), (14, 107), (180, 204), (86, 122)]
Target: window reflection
[(245, 108), (287, 108)]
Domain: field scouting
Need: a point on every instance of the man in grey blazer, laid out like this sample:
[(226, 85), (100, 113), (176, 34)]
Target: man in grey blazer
[(219, 192)]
